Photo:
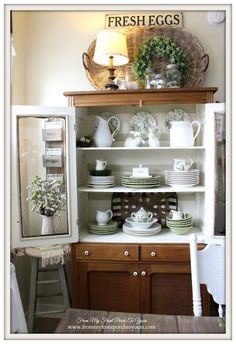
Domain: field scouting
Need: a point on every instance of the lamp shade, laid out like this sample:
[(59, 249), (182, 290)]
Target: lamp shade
[(111, 43)]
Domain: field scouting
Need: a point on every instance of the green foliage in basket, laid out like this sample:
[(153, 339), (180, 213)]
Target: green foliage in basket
[(162, 47)]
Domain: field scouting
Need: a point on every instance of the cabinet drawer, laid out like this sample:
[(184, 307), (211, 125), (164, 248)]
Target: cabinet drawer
[(165, 252), (107, 252)]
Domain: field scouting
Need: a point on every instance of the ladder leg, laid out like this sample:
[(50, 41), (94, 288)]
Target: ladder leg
[(62, 274), (33, 291)]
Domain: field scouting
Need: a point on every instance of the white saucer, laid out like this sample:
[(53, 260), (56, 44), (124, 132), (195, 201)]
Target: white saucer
[(154, 229)]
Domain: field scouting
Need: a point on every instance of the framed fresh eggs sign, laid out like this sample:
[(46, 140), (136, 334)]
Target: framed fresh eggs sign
[(144, 19)]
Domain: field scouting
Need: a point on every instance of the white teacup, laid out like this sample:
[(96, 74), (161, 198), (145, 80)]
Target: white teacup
[(182, 164), (100, 165), (177, 215), (103, 216)]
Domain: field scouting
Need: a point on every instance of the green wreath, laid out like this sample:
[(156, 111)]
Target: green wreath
[(162, 47)]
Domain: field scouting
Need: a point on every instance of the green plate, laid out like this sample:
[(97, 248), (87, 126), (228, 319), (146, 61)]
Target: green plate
[(141, 186), (110, 225), (100, 173), (180, 231), (103, 233), (170, 225)]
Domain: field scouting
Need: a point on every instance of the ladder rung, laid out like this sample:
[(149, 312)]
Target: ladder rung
[(49, 312), (49, 295), (48, 281)]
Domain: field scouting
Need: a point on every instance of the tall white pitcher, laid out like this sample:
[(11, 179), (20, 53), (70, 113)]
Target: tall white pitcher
[(103, 136), (182, 133)]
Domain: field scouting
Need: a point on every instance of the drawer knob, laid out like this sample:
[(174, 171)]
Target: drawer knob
[(143, 273), (126, 253), (135, 274), (153, 254), (86, 253)]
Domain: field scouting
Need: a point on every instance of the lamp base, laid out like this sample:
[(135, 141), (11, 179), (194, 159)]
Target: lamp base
[(111, 86)]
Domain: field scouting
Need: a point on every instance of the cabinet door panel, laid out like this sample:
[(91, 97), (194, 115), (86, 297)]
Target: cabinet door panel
[(108, 286), (171, 293)]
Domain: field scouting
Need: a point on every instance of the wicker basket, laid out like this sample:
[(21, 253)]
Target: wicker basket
[(199, 61), (160, 204)]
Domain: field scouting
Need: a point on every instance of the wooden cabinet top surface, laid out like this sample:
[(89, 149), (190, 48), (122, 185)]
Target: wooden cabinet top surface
[(196, 95)]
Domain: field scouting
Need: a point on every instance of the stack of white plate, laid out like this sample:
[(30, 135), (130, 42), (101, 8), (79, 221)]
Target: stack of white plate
[(101, 181), (141, 228), (182, 178)]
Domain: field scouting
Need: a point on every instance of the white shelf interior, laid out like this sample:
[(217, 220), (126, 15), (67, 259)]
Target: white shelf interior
[(121, 161)]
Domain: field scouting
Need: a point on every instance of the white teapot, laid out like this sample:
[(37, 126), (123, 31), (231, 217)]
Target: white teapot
[(142, 215)]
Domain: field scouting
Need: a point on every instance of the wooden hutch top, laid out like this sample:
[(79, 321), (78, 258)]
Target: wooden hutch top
[(193, 95)]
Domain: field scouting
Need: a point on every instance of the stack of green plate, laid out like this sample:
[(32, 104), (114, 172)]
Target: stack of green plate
[(100, 172), (179, 226), (141, 182), (110, 228)]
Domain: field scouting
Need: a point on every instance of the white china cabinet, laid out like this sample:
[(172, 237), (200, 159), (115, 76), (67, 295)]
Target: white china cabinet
[(198, 200), (108, 270)]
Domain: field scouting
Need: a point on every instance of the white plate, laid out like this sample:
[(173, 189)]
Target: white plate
[(101, 186), (156, 228), (182, 172), (140, 225), (181, 179), (101, 183), (182, 185), (101, 177)]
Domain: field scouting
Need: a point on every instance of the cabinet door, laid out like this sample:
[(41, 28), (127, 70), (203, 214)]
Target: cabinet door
[(43, 148), (166, 289), (106, 286)]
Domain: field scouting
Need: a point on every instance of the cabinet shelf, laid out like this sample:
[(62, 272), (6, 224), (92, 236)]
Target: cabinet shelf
[(165, 236), (116, 148), (194, 189)]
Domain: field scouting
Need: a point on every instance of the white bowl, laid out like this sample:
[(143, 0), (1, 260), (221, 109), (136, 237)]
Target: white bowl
[(141, 225)]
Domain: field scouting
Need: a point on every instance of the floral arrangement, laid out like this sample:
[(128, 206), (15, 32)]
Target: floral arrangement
[(141, 123), (85, 141), (176, 115), (46, 196), (162, 47)]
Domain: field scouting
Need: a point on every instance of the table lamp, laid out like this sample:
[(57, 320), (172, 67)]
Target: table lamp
[(111, 50)]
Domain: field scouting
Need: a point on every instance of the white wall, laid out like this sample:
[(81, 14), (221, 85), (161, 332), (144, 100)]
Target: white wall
[(54, 41)]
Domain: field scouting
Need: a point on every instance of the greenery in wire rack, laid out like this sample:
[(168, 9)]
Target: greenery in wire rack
[(162, 47), (46, 196)]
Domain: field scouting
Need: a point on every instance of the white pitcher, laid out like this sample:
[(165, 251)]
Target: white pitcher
[(103, 136), (182, 134), (103, 216)]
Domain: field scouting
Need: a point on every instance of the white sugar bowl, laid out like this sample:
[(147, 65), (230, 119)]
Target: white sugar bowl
[(141, 215)]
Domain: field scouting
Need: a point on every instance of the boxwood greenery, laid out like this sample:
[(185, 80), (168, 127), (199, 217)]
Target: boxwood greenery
[(163, 47)]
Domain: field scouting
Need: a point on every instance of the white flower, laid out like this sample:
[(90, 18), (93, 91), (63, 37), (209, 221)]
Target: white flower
[(176, 115), (46, 197), (142, 122)]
